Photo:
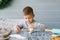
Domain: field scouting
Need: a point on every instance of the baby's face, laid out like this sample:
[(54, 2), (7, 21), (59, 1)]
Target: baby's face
[(29, 18)]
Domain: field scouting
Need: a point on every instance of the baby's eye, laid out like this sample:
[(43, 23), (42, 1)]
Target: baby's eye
[(25, 18)]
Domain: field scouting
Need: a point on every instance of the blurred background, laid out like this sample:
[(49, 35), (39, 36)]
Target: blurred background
[(46, 11)]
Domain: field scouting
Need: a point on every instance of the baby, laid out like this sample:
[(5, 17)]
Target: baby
[(28, 22)]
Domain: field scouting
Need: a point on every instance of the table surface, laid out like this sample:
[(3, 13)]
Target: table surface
[(36, 35)]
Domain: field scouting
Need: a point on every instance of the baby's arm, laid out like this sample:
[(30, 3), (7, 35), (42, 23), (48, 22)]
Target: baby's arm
[(31, 26), (17, 29), (30, 29)]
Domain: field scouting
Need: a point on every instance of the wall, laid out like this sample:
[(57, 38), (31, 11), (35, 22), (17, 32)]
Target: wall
[(46, 11)]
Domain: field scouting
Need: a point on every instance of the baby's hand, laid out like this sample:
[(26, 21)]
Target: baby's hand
[(31, 26), (17, 29)]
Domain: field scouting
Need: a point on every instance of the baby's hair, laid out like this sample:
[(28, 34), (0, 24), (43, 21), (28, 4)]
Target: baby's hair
[(28, 11)]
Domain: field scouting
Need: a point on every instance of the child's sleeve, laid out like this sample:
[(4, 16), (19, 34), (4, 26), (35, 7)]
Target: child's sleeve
[(56, 31), (20, 25)]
